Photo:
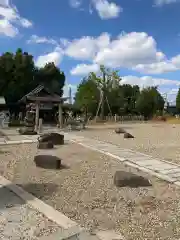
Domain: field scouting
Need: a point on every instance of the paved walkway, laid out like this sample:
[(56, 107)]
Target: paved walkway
[(154, 166)]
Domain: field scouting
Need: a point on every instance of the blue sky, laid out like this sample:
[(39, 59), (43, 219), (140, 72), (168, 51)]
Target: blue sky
[(140, 38)]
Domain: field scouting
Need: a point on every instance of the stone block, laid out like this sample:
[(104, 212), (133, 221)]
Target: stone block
[(47, 161), (128, 179), (55, 138)]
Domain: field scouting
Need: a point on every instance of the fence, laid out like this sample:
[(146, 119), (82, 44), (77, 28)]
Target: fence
[(124, 118)]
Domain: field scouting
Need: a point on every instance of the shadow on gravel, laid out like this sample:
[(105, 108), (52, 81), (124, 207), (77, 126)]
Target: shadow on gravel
[(3, 152), (40, 190), (9, 199)]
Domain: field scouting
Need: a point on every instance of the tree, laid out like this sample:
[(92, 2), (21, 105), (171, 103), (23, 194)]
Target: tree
[(178, 100), (149, 102), (130, 94), (107, 81), (87, 96), (52, 77), (19, 75)]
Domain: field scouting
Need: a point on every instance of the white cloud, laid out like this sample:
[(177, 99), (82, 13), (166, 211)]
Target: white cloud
[(7, 29), (146, 81), (160, 3), (10, 18), (84, 69), (75, 3), (128, 50), (55, 56), (160, 67), (39, 40), (86, 48), (136, 50), (106, 9)]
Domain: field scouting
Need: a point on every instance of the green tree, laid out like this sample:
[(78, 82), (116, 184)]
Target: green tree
[(106, 82), (19, 75), (130, 94), (52, 77), (149, 102), (178, 100), (87, 96)]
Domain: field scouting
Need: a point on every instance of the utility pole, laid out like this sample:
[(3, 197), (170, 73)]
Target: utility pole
[(70, 96)]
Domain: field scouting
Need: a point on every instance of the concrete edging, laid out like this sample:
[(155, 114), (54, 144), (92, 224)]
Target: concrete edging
[(48, 211)]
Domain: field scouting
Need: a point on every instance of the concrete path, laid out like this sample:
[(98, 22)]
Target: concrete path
[(20, 221), (162, 169)]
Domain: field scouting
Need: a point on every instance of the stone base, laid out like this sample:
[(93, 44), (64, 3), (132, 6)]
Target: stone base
[(55, 138), (128, 179), (47, 161)]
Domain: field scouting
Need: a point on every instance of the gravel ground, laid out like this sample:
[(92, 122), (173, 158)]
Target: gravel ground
[(158, 140), (84, 191), (20, 221)]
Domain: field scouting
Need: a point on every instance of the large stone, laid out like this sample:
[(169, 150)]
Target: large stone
[(119, 130), (55, 138), (128, 179), (128, 135), (45, 145), (47, 161), (27, 131)]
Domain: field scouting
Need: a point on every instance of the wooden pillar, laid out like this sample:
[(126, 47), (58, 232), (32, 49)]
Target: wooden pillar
[(37, 117), (60, 116)]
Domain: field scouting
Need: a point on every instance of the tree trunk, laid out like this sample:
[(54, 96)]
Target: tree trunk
[(103, 96), (102, 105)]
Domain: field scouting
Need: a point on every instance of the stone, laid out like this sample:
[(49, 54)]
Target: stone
[(47, 161), (128, 135), (128, 179), (27, 131), (119, 130), (55, 138), (45, 145)]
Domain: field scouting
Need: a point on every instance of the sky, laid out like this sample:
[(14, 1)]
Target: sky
[(140, 38)]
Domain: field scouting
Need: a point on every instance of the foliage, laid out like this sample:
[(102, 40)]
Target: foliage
[(87, 96), (149, 102), (106, 82), (121, 98), (19, 75), (178, 100)]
